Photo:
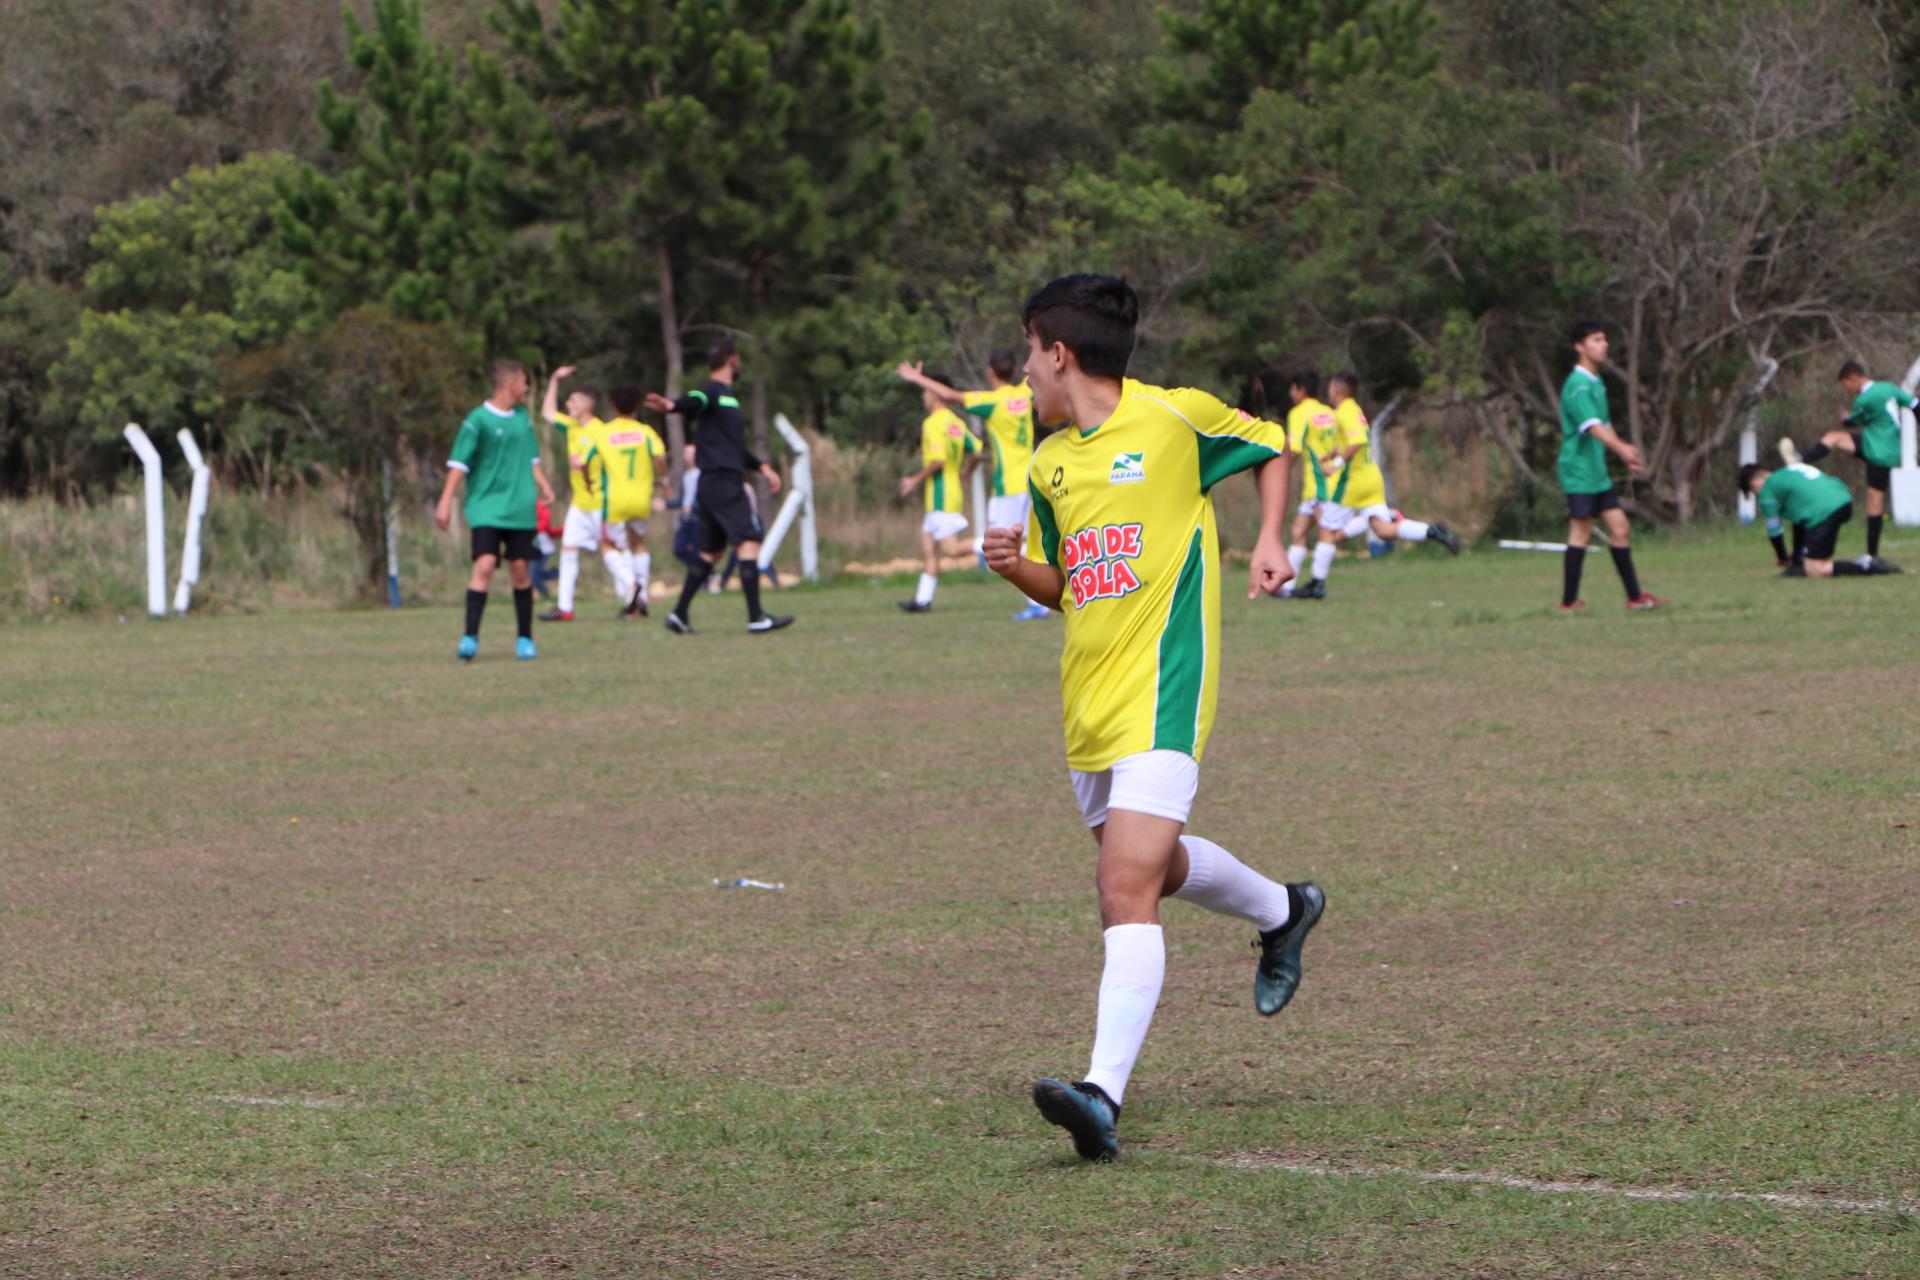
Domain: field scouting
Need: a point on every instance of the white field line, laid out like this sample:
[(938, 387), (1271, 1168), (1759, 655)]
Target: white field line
[(240, 1100), (1541, 1186)]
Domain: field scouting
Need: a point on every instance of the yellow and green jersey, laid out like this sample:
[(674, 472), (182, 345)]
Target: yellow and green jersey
[(1007, 413), (628, 450), (584, 468), (1123, 510), (1314, 432), (1365, 485), (945, 442)]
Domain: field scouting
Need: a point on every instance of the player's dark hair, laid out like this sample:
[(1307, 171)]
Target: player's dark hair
[(1307, 380), (1747, 473), (1580, 330), (1001, 362), (627, 399), (581, 389), (1093, 316), (1348, 379), (1852, 369), (504, 369), (719, 352)]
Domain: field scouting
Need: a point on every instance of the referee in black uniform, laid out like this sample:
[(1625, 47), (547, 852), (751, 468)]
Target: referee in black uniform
[(720, 504)]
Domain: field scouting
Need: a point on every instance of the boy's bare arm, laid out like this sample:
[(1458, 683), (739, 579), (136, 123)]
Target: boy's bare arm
[(1041, 583)]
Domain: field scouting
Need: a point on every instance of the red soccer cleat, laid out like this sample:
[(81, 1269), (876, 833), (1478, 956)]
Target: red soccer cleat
[(1575, 607), (1645, 601), (557, 615)]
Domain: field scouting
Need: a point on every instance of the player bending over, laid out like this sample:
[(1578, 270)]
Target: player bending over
[(1005, 410), (499, 455), (636, 463), (1313, 431), (1815, 504), (1122, 541), (947, 454), (1586, 437), (1871, 432), (586, 473), (725, 515)]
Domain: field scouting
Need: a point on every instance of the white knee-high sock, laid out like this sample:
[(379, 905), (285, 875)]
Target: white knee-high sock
[(1413, 530), (569, 577), (923, 594), (1297, 557), (617, 565), (1129, 990), (642, 571), (1221, 882), (1322, 560)]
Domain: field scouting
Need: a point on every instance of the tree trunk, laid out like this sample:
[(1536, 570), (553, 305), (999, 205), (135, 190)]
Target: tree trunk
[(759, 402), (676, 354)]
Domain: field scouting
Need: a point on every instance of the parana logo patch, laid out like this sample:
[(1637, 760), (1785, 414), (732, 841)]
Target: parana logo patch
[(1128, 468)]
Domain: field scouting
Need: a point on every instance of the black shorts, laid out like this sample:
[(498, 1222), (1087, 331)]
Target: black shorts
[(1585, 506), (508, 544), (1818, 541), (1880, 478), (726, 516)]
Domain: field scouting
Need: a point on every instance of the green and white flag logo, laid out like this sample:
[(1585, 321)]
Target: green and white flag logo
[(1128, 468)]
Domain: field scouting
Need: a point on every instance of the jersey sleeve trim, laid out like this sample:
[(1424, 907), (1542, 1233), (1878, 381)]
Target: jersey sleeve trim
[(453, 465), (1049, 541)]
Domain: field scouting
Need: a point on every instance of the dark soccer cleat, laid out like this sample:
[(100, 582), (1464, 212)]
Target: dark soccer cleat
[(1277, 976), (1440, 533), (1316, 589), (1646, 602), (557, 615), (1083, 1110), (914, 606), (1876, 565), (769, 622), (1794, 570), (678, 625), (636, 607)]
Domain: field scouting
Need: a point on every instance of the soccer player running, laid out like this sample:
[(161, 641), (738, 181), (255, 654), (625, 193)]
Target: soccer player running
[(498, 454), (1871, 432), (1122, 541), (1006, 411), (1586, 437), (586, 472), (1313, 430), (726, 516), (1815, 504), (947, 454), (636, 468), (1365, 502)]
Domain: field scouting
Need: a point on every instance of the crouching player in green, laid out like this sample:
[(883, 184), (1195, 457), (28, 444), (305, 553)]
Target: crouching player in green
[(1122, 541), (1870, 432), (1815, 504)]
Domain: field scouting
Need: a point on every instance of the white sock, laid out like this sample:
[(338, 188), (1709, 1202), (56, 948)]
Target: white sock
[(1297, 557), (1129, 989), (1322, 560), (616, 562), (1221, 882), (569, 577), (923, 594), (642, 571), (1413, 530)]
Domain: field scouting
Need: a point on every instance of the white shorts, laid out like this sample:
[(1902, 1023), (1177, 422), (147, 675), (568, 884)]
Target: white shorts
[(581, 532), (1308, 506), (1009, 512), (617, 531), (1363, 519), (1158, 783), (943, 524)]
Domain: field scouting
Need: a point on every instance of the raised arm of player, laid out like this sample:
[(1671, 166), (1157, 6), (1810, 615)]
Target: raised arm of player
[(1040, 582), (550, 406), (916, 374)]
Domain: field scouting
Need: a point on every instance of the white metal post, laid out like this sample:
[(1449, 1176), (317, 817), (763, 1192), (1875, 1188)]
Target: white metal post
[(196, 514), (393, 533), (1906, 476), (156, 520), (798, 505), (1376, 434), (1750, 433), (978, 489)]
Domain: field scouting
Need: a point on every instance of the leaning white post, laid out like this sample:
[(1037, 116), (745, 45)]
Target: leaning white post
[(799, 505), (1906, 476), (196, 513), (1750, 433), (156, 521), (392, 515), (978, 489)]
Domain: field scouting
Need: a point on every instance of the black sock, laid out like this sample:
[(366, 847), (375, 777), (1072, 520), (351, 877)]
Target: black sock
[(1848, 569), (523, 611), (476, 605), (1779, 546), (750, 588), (1799, 546), (1296, 905), (1874, 525), (1814, 452), (1623, 561), (1576, 560), (697, 574)]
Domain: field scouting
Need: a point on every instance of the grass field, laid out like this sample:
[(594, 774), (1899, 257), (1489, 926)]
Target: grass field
[(328, 957)]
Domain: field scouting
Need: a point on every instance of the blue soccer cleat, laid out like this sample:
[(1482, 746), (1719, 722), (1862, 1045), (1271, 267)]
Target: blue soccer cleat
[(1277, 976), (1032, 611), (469, 645), (523, 649), (1083, 1110)]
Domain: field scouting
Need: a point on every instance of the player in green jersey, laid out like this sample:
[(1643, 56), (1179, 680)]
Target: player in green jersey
[(1586, 437), (498, 454), (1871, 432), (1815, 504)]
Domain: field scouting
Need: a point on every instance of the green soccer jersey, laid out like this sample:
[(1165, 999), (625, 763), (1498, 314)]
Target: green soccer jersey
[(1583, 460), (1801, 495), (498, 451), (1876, 416)]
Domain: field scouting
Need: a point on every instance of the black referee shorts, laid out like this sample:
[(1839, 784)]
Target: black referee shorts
[(726, 515), (507, 544), (1585, 506)]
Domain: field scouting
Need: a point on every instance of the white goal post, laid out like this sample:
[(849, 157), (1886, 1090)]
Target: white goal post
[(1906, 476), (196, 515), (798, 505), (156, 495), (1750, 433)]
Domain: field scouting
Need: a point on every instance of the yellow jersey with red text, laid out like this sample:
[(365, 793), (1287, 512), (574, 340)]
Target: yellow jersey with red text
[(946, 443), (1123, 510), (1313, 432), (629, 449), (584, 471), (1008, 415), (1366, 486)]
